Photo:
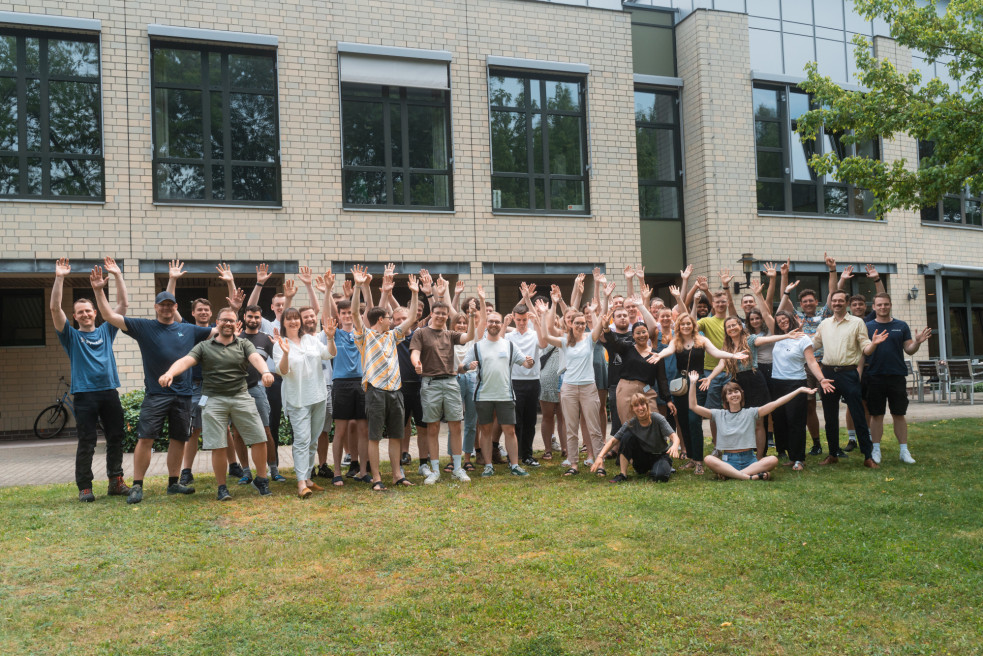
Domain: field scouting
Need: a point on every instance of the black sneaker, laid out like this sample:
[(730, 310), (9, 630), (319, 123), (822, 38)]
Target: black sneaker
[(86, 495), (187, 478), (262, 486), (530, 462), (816, 450), (136, 494), (177, 488), (235, 470), (405, 459), (840, 453), (324, 471), (223, 494), (353, 470), (850, 446)]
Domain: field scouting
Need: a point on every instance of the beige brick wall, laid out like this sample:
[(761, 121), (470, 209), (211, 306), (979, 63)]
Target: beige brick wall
[(312, 227)]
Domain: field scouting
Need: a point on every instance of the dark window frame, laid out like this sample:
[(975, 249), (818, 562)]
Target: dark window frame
[(676, 128), (786, 133), (44, 77), (389, 169), (206, 88), (936, 214), (37, 294), (542, 77)]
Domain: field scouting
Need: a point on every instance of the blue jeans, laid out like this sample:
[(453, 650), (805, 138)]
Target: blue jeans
[(470, 424), (740, 459), (713, 396)]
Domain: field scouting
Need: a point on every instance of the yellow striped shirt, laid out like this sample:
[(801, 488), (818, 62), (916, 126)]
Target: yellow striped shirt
[(380, 364)]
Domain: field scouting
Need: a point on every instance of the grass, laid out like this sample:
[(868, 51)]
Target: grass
[(842, 560)]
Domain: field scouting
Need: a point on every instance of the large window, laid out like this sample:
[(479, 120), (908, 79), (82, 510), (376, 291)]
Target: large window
[(963, 302), (660, 175), (50, 117), (216, 138), (539, 143), (396, 147), (786, 183), (964, 207), (22, 317)]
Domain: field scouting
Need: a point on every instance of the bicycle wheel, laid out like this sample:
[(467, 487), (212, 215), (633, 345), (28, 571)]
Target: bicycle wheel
[(51, 421)]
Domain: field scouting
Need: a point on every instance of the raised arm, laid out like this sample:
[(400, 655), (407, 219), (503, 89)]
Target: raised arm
[(99, 290), (630, 280), (770, 294), (481, 316), (764, 306), (328, 310), (786, 301), (306, 277), (386, 299), (769, 408), (546, 320), (58, 318), (681, 306), (876, 278), (122, 300), (557, 297), (577, 295), (684, 283), (725, 279), (912, 345), (175, 269), (831, 265), (845, 277), (414, 287), (283, 367), (262, 275), (458, 292), (643, 308), (225, 275), (595, 331), (359, 275), (721, 355), (330, 325), (693, 403), (599, 280)]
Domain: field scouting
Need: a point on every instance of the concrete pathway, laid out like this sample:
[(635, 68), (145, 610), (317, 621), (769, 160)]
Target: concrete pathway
[(39, 462)]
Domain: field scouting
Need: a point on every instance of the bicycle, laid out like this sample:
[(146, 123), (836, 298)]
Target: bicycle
[(53, 419)]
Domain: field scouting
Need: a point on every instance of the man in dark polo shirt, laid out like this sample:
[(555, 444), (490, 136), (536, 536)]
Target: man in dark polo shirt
[(224, 359)]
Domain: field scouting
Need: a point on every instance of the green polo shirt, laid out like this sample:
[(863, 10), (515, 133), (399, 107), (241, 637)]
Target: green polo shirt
[(713, 329), (223, 366)]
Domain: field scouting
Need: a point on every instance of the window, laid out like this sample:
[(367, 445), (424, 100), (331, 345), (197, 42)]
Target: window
[(660, 179), (539, 143), (786, 183), (216, 138), (22, 316), (963, 207), (396, 147), (50, 117)]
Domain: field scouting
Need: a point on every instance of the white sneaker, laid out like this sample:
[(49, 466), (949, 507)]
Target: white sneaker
[(432, 478), (424, 470), (565, 463), (503, 452), (876, 454), (556, 444), (588, 462), (347, 460), (489, 470), (906, 458), (461, 475)]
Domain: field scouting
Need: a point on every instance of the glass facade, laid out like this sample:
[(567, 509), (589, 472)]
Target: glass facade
[(963, 304), (660, 168), (963, 207)]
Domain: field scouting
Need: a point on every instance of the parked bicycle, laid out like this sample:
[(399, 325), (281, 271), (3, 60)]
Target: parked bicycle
[(52, 420)]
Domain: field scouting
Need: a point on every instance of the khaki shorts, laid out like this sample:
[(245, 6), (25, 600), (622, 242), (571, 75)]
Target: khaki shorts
[(441, 399), (241, 410)]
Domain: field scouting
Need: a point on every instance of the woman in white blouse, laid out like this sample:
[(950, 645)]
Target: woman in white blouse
[(297, 358)]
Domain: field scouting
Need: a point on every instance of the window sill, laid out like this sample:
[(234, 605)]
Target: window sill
[(210, 205), (555, 216), (399, 210), (52, 200), (825, 217), (956, 226)]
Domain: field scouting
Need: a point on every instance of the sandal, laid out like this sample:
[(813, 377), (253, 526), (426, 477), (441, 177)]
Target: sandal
[(305, 493), (573, 471), (547, 456), (366, 479), (468, 467), (379, 487), (600, 472), (314, 487), (763, 476), (403, 482), (620, 478), (698, 470), (449, 467), (338, 481), (688, 465), (797, 466)]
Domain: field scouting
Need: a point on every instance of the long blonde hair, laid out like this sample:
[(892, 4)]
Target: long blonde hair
[(732, 346), (678, 337)]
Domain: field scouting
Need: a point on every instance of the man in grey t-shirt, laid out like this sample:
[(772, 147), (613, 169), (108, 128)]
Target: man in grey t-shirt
[(493, 393)]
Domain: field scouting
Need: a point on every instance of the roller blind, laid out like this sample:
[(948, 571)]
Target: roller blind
[(394, 71)]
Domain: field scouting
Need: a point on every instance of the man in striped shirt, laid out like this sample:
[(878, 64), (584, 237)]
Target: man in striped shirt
[(380, 375)]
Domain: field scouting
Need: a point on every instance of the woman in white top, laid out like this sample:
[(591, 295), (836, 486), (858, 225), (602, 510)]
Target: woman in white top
[(297, 358), (578, 395), (736, 437)]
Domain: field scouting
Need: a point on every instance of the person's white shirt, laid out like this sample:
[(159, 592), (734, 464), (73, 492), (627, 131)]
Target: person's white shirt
[(527, 343), (303, 384)]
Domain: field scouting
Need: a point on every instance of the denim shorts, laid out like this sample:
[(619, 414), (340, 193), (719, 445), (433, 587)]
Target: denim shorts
[(739, 459)]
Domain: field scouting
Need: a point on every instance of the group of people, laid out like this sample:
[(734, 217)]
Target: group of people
[(372, 369)]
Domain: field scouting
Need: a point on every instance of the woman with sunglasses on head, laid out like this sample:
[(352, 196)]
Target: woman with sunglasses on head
[(643, 441)]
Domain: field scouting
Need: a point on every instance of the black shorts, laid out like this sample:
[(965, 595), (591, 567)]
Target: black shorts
[(412, 406), (883, 391), (158, 407), (348, 399)]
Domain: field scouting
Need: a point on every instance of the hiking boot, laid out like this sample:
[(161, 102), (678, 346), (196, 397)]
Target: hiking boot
[(136, 494), (262, 486), (235, 470), (223, 493), (187, 478), (177, 488), (247, 477), (86, 495), (118, 487), (324, 471)]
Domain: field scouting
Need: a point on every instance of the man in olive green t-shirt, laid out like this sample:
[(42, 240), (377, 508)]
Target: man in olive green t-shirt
[(223, 360)]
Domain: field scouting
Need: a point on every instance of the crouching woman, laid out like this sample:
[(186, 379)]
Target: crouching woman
[(643, 442), (735, 432)]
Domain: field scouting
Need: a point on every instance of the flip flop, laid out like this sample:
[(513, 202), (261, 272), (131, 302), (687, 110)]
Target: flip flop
[(379, 487), (573, 471), (403, 482), (338, 481)]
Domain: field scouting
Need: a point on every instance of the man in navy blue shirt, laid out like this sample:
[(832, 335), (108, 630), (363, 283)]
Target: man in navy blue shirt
[(885, 378), (94, 377), (163, 341)]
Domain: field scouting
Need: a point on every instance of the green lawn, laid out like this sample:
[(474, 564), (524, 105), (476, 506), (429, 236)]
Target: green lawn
[(830, 561)]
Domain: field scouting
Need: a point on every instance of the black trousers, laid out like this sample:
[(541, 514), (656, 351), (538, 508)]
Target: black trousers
[(90, 409), (790, 419), (276, 411), (526, 405), (613, 404), (847, 384)]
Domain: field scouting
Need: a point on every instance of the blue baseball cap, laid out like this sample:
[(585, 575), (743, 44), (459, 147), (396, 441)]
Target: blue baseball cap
[(164, 297)]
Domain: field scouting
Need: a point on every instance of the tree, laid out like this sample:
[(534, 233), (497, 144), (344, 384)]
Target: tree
[(893, 103)]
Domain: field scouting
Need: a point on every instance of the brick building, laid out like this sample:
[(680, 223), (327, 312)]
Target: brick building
[(491, 141)]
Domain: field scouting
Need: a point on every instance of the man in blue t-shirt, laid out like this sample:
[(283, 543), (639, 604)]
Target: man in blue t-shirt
[(94, 377), (885, 379), (162, 341)]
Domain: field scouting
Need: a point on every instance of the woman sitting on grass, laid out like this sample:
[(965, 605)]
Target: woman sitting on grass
[(642, 441), (735, 432)]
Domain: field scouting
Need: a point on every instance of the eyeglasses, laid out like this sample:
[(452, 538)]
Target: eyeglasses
[(226, 320)]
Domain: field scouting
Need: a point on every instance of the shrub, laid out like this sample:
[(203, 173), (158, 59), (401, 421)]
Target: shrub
[(131, 417)]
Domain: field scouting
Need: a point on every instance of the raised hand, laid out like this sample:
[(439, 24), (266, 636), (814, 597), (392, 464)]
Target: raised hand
[(924, 335), (725, 277), (847, 272), (674, 291), (262, 274), (878, 336), (440, 286), (687, 272), (481, 293), (693, 376), (175, 269), (555, 294), (109, 264), (96, 279), (224, 272), (872, 271), (389, 270), (238, 326), (629, 272), (319, 284), (532, 289), (412, 283), (755, 286), (459, 287), (785, 266), (330, 324), (791, 286), (289, 289), (359, 274), (646, 293), (329, 280), (426, 282), (595, 272), (770, 269), (305, 275), (703, 283), (609, 289), (62, 267), (347, 288), (578, 283), (236, 300), (279, 339), (524, 290), (541, 307), (830, 262), (640, 272), (507, 320), (388, 281)]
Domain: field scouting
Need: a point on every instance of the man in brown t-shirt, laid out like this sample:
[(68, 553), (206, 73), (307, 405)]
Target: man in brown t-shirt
[(432, 355)]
